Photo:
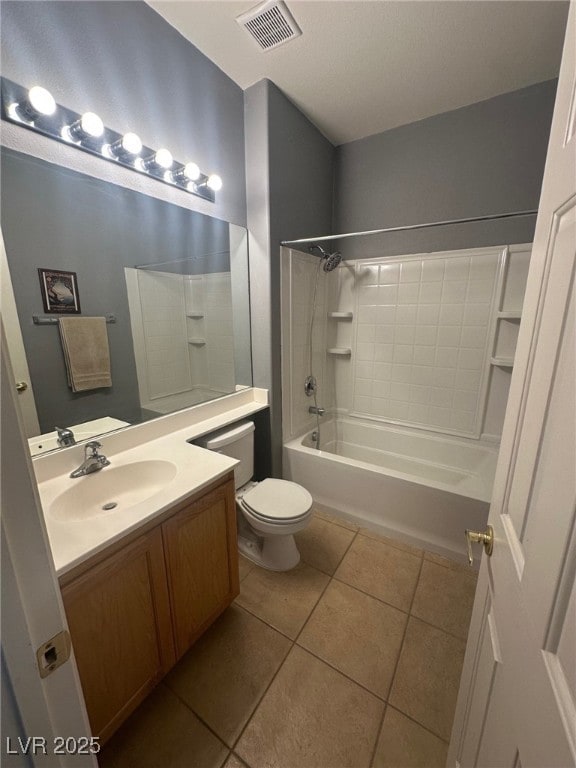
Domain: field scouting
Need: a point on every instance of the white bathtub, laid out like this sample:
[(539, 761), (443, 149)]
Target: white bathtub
[(421, 487)]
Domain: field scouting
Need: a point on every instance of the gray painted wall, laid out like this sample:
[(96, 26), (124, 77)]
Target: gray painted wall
[(59, 219), (123, 61), (481, 159), (12, 725), (290, 181)]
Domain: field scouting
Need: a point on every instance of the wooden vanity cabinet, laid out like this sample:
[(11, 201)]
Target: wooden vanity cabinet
[(119, 618), (201, 550), (137, 607)]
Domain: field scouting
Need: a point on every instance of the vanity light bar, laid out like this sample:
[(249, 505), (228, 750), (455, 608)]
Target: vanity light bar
[(36, 109)]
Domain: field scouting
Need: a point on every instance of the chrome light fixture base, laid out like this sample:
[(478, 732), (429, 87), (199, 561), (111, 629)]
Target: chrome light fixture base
[(64, 125)]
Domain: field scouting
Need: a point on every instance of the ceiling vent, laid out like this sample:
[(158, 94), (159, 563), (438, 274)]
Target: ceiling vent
[(270, 24)]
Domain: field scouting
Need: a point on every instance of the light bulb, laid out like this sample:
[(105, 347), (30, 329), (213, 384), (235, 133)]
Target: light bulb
[(131, 143), (89, 126), (125, 148), (41, 100), (186, 173), (191, 171), (38, 103), (214, 182), (163, 158)]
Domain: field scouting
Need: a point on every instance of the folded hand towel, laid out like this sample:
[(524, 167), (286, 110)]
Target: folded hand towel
[(85, 345)]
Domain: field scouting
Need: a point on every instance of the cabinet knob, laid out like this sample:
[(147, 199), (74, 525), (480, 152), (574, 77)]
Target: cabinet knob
[(21, 386)]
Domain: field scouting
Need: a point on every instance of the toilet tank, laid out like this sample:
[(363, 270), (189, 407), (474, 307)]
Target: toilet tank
[(236, 441)]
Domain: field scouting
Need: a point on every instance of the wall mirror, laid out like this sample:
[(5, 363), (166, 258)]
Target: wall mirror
[(174, 281)]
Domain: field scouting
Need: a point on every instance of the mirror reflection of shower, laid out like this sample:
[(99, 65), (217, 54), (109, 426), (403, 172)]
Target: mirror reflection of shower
[(186, 354), (328, 262)]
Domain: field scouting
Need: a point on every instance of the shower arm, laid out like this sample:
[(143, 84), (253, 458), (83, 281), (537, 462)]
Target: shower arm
[(427, 225)]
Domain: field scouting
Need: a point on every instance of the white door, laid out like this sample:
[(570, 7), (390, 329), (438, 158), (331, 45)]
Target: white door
[(517, 701), (36, 711), (16, 347)]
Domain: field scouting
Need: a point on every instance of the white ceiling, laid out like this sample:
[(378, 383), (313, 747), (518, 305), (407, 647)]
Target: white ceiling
[(364, 67)]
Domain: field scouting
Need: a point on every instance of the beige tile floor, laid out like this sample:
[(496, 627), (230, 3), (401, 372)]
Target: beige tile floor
[(352, 660)]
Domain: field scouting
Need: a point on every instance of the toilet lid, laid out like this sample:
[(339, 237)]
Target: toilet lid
[(278, 499)]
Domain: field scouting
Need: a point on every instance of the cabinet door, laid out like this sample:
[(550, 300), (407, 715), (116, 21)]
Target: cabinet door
[(202, 562), (119, 618)]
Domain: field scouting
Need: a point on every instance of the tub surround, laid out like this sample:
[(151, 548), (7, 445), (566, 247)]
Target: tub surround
[(163, 440), (418, 400), (430, 338)]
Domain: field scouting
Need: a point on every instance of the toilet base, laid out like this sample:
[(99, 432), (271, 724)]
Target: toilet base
[(275, 553)]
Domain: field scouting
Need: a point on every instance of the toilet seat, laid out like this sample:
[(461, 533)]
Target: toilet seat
[(278, 501)]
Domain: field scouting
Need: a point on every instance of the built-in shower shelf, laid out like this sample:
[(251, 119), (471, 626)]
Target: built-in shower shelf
[(340, 351), (197, 342), (502, 362), (341, 315), (509, 315), (195, 315)]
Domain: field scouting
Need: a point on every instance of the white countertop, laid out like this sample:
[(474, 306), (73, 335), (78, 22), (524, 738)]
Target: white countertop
[(73, 541)]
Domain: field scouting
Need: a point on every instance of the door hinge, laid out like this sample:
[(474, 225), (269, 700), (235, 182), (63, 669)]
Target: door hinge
[(53, 653)]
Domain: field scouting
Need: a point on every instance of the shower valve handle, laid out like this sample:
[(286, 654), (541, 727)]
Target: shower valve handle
[(486, 538)]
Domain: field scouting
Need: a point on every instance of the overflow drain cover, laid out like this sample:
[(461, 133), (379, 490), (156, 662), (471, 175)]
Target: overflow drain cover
[(110, 505)]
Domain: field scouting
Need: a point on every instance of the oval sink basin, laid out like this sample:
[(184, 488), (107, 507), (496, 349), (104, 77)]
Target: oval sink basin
[(112, 490)]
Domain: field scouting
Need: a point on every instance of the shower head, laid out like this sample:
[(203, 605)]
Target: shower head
[(331, 260)]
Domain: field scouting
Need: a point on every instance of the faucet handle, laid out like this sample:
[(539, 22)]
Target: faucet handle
[(92, 446), (65, 437)]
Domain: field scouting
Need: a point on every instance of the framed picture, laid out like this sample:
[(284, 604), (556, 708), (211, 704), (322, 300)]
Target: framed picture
[(59, 291)]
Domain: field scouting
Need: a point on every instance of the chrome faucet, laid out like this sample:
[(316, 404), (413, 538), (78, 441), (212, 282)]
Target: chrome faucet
[(318, 411), (65, 437), (93, 461)]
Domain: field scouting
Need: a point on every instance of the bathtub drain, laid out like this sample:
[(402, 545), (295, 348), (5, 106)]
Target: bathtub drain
[(110, 505)]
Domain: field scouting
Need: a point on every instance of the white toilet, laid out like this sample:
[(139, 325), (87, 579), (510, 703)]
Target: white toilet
[(270, 512)]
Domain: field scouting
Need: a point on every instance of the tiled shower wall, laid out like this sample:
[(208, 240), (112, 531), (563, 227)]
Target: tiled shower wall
[(422, 334), (413, 340)]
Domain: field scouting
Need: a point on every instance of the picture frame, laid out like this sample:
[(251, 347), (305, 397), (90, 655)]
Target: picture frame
[(59, 291)]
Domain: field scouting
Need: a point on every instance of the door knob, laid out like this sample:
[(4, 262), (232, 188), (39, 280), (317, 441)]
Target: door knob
[(21, 386), (486, 538)]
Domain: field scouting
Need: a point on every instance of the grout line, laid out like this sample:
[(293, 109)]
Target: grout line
[(240, 759), (453, 565), (391, 541), (255, 615), (261, 699), (331, 575), (320, 596), (397, 662), (406, 613), (293, 643), (199, 717), (441, 629), (415, 551), (368, 594), (226, 758), (339, 522), (424, 727), (340, 672)]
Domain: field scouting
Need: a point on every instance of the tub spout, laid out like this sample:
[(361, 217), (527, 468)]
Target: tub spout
[(318, 411)]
